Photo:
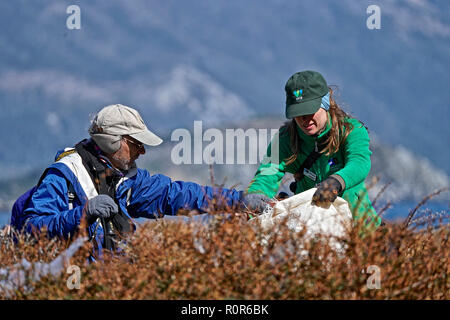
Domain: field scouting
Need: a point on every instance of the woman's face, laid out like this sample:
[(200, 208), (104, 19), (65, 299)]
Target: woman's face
[(311, 124)]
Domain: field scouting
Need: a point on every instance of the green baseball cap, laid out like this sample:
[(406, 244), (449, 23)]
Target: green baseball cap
[(304, 92)]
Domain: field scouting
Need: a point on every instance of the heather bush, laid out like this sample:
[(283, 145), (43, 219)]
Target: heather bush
[(231, 259)]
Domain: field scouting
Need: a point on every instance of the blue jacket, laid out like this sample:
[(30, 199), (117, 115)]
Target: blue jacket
[(150, 196)]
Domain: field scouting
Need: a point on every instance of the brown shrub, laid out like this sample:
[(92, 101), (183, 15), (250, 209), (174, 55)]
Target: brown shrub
[(229, 260)]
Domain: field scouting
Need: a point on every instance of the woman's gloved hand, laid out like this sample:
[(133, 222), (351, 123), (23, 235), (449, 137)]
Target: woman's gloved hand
[(327, 191), (282, 195), (101, 206)]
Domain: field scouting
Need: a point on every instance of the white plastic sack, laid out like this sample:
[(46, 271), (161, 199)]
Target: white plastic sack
[(298, 212)]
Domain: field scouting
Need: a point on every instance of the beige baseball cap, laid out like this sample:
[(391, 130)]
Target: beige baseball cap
[(118, 120)]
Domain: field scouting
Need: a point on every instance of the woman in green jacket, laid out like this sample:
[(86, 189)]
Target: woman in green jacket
[(342, 160)]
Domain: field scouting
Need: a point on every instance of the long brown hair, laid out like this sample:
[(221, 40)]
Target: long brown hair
[(335, 138)]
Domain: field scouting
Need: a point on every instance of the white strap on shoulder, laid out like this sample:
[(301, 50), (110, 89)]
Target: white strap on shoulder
[(74, 162)]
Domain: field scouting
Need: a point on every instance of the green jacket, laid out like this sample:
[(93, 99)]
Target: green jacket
[(351, 162)]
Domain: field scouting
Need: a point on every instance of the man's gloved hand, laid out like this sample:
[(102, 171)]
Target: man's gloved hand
[(101, 206), (256, 201), (327, 191)]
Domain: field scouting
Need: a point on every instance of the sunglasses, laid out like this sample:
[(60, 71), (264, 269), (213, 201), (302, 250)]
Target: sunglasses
[(137, 144)]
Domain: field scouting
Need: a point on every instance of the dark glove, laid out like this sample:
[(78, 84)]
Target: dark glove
[(256, 201), (327, 191), (101, 206), (282, 195)]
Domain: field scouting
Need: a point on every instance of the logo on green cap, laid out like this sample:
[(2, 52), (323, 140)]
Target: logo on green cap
[(298, 94)]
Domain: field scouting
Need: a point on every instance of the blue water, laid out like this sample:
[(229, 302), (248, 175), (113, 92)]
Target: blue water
[(399, 211), (4, 218)]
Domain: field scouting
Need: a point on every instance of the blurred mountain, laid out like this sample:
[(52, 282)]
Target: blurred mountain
[(410, 177), (219, 62)]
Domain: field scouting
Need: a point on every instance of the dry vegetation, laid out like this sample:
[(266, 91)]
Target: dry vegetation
[(228, 260)]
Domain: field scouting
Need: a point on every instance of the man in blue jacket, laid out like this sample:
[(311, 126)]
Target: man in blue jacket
[(98, 180)]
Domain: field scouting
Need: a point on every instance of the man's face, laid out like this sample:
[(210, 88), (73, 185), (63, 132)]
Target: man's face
[(311, 124), (124, 158)]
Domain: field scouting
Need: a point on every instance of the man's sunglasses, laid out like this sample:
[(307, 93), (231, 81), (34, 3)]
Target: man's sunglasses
[(137, 144)]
